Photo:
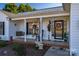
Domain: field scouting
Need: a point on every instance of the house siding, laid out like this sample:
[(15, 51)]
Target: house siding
[(74, 29), (12, 29), (3, 18), (16, 26)]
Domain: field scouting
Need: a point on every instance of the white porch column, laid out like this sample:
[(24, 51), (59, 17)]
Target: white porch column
[(41, 30), (52, 27), (25, 30)]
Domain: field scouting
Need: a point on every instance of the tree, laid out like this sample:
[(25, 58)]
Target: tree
[(11, 7), (34, 9), (21, 8), (24, 8), (28, 7)]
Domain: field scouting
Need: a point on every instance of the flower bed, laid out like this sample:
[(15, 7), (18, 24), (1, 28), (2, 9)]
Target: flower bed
[(28, 49), (19, 49), (3, 43)]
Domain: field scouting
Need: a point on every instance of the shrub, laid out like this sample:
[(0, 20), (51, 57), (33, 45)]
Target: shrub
[(3, 43), (19, 48), (65, 36)]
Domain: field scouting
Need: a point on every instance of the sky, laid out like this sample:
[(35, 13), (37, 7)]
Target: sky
[(37, 5)]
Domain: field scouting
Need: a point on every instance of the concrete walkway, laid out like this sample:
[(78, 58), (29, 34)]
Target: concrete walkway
[(56, 52)]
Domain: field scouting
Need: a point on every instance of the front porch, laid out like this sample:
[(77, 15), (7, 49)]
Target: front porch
[(29, 31), (36, 29)]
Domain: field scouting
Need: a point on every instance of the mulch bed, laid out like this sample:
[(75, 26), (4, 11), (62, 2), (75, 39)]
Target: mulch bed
[(28, 48), (31, 50)]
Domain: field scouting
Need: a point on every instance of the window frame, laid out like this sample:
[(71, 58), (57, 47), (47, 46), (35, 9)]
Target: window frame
[(3, 28)]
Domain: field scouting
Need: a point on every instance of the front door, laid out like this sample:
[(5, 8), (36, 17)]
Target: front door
[(58, 29)]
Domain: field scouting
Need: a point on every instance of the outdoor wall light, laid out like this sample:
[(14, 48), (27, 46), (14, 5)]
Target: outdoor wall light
[(15, 24)]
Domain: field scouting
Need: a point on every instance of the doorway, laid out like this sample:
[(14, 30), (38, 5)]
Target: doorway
[(59, 29)]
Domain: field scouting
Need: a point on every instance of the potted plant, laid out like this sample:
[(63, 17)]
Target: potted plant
[(65, 37)]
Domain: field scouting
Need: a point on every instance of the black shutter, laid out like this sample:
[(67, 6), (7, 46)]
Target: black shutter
[(3, 28), (27, 28)]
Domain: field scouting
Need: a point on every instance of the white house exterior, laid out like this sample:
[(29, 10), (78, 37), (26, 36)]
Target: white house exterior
[(3, 18), (17, 22)]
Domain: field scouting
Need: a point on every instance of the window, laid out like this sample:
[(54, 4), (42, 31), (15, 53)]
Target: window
[(1, 28), (30, 27)]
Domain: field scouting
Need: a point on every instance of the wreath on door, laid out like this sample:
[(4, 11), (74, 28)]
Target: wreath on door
[(58, 26)]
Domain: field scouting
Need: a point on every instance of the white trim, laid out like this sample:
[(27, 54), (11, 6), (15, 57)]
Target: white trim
[(58, 40), (63, 14)]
